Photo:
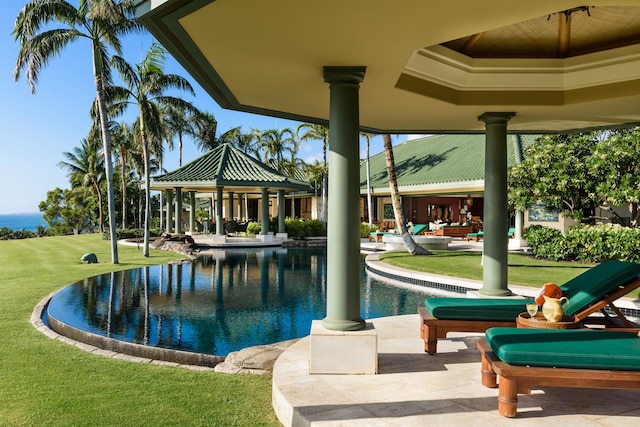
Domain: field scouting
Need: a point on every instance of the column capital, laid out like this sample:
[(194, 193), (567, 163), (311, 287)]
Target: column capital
[(344, 74), (496, 117)]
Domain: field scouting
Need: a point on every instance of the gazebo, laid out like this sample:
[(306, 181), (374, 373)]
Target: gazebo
[(226, 169), (492, 67)]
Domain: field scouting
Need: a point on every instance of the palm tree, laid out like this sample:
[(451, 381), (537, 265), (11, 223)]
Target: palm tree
[(245, 142), (205, 132), (123, 144), (86, 170), (101, 22), (318, 133), (275, 142), (411, 245), (145, 87), (367, 137), (180, 123)]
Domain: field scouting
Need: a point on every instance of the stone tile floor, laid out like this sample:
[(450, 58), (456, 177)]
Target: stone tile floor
[(415, 389)]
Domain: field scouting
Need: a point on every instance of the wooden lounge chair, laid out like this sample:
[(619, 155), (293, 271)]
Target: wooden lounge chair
[(589, 293), (517, 360), (418, 228)]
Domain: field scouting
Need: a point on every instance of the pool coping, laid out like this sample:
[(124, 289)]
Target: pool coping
[(121, 350)]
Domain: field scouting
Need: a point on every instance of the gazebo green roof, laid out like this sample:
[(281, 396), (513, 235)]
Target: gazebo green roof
[(442, 164), (228, 167)]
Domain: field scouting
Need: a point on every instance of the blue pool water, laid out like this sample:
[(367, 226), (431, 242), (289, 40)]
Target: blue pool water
[(222, 302)]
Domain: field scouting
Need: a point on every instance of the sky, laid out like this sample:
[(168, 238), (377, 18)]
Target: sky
[(36, 129)]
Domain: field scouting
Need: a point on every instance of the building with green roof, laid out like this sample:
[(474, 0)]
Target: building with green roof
[(222, 174), (439, 177)]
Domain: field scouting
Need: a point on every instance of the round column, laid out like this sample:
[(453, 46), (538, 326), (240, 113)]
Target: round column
[(169, 211), (496, 216), (192, 212), (219, 219), (343, 229), (265, 212), (281, 214), (178, 226)]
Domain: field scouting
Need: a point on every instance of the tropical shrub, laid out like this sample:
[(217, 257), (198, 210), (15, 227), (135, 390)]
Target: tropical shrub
[(587, 243), (254, 228), (365, 229)]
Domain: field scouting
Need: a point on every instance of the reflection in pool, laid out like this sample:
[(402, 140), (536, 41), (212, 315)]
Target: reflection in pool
[(222, 302)]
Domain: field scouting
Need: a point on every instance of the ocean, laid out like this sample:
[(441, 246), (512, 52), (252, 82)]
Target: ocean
[(28, 221)]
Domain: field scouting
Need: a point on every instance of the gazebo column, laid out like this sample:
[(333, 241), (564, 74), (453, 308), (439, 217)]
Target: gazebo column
[(240, 210), (169, 211), (192, 212), (265, 212), (178, 226), (496, 215), (231, 207), (342, 343), (219, 219), (281, 214)]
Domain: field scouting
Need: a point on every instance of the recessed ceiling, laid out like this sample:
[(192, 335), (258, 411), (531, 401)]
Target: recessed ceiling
[(429, 69)]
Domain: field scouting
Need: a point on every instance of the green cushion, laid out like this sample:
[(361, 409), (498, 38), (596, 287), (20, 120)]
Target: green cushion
[(418, 228), (582, 291), (583, 348), (590, 286), (500, 309)]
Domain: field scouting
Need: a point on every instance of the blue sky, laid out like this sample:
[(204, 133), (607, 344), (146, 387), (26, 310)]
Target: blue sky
[(37, 129)]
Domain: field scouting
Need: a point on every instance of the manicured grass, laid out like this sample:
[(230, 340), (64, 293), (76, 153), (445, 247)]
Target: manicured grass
[(523, 270), (46, 382)]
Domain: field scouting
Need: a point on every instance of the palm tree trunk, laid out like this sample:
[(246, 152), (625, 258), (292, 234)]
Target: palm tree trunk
[(369, 207), (96, 186), (124, 192), (147, 186), (108, 165), (411, 245)]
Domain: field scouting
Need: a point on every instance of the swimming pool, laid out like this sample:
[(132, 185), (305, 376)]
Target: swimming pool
[(222, 302)]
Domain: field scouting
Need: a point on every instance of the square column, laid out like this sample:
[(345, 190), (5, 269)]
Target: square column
[(178, 226)]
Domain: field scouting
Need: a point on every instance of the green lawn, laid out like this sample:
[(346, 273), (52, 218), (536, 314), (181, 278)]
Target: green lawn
[(523, 270), (46, 382)]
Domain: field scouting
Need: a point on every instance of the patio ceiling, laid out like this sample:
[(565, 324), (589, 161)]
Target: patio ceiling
[(431, 67)]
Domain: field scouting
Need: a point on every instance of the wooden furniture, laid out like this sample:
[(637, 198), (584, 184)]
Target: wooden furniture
[(431, 328), (513, 380), (590, 292), (454, 231), (540, 322)]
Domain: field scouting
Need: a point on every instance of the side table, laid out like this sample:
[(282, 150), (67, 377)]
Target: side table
[(540, 322)]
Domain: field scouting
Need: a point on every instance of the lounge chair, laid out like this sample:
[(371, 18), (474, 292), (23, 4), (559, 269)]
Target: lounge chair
[(520, 359), (418, 228), (590, 292), (479, 235)]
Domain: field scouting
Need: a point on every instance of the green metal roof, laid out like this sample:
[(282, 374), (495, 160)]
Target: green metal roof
[(442, 163), (228, 167)]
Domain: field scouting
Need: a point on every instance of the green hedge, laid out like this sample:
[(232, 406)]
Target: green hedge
[(296, 228), (587, 243), (131, 233)]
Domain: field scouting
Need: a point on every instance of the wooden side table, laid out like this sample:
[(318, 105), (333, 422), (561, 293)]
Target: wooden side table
[(540, 322)]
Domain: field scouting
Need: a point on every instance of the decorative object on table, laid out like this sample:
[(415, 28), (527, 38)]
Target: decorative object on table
[(553, 308), (549, 289), (532, 309)]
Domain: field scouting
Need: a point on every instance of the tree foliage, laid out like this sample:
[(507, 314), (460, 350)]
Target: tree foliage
[(578, 172)]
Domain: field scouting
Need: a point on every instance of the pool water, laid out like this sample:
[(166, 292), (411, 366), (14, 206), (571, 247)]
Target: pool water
[(222, 302)]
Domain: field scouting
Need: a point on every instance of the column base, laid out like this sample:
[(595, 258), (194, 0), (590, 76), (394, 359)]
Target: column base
[(264, 237), (343, 352)]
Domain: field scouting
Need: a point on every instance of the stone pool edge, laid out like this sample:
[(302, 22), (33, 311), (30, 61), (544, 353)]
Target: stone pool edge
[(134, 352)]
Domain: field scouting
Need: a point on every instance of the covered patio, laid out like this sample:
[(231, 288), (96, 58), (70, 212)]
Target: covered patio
[(228, 177), (494, 67)]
